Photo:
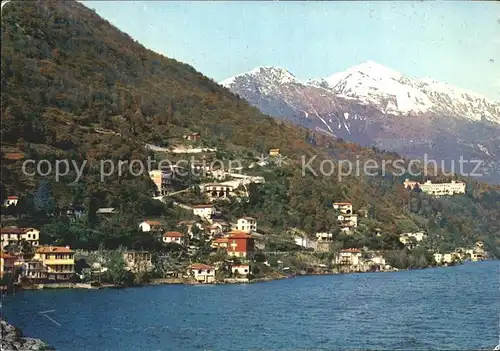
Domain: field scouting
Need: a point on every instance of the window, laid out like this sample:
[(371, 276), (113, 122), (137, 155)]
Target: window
[(208, 271)]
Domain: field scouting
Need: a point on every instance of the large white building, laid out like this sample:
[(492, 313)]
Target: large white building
[(437, 189)]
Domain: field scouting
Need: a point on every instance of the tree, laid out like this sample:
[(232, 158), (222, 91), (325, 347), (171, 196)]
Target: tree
[(44, 201), (117, 273)]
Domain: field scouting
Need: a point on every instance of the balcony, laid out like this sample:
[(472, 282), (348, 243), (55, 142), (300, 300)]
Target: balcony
[(56, 262)]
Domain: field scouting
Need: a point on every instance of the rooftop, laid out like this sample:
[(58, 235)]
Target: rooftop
[(238, 234), (173, 235), (12, 230), (54, 249), (351, 250), (7, 256), (202, 206), (106, 210), (200, 266), (152, 222)]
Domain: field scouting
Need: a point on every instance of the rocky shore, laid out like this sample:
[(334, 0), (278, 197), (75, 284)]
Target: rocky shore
[(13, 340)]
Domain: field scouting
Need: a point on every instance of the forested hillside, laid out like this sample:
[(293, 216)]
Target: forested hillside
[(67, 72)]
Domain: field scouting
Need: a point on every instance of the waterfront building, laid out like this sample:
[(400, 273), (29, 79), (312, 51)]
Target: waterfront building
[(349, 257), (202, 273), (58, 261), (240, 269), (138, 261)]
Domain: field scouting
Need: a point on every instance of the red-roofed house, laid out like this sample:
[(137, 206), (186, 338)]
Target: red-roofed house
[(203, 273), (173, 238), (240, 244), (349, 257), (58, 260), (11, 201)]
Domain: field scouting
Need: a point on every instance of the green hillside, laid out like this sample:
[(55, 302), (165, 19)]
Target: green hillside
[(67, 72)]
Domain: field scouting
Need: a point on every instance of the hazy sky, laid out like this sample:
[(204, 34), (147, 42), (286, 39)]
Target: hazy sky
[(455, 42)]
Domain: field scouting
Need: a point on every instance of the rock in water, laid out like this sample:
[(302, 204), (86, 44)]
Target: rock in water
[(13, 340)]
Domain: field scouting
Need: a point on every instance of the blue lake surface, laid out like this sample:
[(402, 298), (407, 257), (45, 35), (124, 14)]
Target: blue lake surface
[(455, 308)]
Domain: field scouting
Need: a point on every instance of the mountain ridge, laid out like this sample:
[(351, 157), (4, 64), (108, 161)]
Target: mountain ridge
[(378, 72), (374, 105)]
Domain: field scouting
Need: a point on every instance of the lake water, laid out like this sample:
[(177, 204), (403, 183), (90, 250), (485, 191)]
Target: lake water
[(454, 308)]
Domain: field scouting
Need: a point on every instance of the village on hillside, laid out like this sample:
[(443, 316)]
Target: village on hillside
[(210, 246)]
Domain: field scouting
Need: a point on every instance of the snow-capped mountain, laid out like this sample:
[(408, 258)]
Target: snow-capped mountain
[(377, 106), (389, 91)]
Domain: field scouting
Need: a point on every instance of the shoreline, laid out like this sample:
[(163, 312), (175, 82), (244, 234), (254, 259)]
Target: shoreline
[(226, 281), (14, 339)]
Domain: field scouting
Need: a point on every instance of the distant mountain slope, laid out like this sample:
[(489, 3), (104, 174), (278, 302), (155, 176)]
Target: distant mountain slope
[(375, 106)]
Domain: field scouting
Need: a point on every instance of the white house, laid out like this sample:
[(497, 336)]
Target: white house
[(202, 273), (11, 201), (303, 242), (324, 236), (241, 269), (173, 238), (247, 224), (148, 226), (443, 258), (204, 211), (407, 238), (343, 207)]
